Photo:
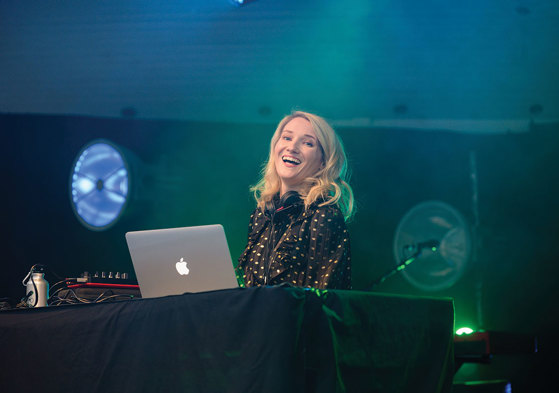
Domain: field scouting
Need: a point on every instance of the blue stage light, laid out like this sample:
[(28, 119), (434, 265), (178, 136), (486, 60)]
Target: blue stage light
[(241, 2), (99, 185)]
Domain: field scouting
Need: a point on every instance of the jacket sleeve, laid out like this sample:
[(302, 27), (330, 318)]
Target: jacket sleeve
[(243, 259), (329, 254)]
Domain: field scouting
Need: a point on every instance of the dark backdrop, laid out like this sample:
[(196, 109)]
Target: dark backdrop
[(198, 173)]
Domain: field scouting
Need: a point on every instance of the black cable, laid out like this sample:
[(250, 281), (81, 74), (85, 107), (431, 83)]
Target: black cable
[(34, 286), (115, 296), (54, 286), (55, 294)]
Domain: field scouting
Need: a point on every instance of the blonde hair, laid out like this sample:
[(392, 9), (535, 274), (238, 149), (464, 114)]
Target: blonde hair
[(329, 183)]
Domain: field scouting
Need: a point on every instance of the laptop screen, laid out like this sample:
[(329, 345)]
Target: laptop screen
[(178, 260)]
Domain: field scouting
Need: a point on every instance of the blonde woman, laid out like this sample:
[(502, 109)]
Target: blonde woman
[(297, 234)]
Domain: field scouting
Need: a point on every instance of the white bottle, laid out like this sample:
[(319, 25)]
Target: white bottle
[(36, 289)]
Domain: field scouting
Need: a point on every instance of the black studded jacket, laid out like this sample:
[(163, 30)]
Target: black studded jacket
[(303, 248)]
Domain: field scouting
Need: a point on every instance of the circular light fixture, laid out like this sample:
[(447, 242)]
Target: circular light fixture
[(99, 184), (433, 222)]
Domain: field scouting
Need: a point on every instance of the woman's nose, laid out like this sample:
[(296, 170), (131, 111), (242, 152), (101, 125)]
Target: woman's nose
[(293, 147)]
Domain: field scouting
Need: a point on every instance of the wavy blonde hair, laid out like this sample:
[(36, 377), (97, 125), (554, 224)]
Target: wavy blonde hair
[(329, 183)]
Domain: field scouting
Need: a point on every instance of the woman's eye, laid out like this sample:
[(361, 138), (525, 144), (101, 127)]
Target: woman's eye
[(310, 144)]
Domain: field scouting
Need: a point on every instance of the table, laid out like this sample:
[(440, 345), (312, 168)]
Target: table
[(266, 339)]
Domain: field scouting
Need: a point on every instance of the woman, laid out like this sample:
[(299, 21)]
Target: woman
[(297, 234)]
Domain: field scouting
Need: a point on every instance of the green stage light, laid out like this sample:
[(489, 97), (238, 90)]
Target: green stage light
[(464, 330)]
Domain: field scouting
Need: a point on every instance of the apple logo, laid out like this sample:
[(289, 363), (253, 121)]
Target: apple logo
[(181, 267)]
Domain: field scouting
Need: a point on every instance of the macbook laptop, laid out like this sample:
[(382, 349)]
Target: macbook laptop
[(178, 260)]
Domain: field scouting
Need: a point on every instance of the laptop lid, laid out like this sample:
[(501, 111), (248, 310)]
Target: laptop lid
[(178, 260)]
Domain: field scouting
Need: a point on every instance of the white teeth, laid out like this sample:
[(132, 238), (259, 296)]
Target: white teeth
[(291, 160)]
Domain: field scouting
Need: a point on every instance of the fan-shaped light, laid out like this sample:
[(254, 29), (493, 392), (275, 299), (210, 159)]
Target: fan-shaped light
[(435, 268), (99, 185)]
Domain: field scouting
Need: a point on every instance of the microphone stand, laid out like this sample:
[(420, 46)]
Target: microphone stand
[(401, 266)]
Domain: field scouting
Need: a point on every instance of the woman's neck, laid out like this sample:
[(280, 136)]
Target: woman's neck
[(284, 189)]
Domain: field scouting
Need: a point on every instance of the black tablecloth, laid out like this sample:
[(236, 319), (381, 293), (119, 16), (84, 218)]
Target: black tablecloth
[(273, 339)]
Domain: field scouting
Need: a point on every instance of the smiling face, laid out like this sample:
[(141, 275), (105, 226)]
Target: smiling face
[(297, 154)]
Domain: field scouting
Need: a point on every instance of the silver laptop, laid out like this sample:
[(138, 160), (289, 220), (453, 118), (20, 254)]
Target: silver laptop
[(178, 260)]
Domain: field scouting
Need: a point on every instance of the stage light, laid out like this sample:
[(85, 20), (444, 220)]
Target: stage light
[(464, 331), (443, 264), (99, 185), (240, 3)]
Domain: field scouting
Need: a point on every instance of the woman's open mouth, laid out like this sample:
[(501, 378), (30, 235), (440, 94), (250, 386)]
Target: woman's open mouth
[(290, 160)]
